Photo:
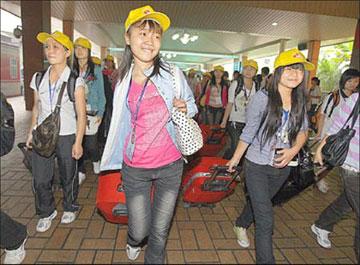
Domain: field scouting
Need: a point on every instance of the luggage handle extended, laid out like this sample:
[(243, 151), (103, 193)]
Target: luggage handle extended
[(211, 185)]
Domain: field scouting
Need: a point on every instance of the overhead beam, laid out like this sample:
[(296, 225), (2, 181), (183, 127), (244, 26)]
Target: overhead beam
[(279, 41)]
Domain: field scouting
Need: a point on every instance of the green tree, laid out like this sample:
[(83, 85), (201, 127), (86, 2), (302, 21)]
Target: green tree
[(333, 62)]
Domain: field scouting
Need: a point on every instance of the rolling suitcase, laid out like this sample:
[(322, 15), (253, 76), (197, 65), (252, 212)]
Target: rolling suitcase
[(214, 140), (110, 198), (208, 182)]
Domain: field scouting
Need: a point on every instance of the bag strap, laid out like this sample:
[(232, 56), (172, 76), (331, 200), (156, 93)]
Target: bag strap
[(355, 111), (58, 102)]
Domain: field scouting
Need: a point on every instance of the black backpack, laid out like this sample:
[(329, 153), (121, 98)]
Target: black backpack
[(335, 97), (70, 83), (7, 126)]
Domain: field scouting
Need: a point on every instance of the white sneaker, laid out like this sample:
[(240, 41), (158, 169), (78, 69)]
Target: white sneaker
[(82, 177), (241, 236), (96, 167), (44, 223), (68, 217), (322, 186), (15, 256), (321, 236), (132, 253)]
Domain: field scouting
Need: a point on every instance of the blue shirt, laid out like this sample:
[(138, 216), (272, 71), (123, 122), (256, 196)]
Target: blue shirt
[(250, 135)]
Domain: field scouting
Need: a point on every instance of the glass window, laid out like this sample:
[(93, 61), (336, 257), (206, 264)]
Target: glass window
[(13, 68)]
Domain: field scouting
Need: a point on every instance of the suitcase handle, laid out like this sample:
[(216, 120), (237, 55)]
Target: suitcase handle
[(212, 181)]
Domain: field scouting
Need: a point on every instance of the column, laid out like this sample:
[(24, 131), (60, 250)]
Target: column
[(355, 56), (103, 52), (33, 55), (313, 57), (68, 28), (282, 46)]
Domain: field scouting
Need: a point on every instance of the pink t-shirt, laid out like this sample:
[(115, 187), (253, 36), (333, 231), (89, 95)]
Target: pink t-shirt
[(153, 145)]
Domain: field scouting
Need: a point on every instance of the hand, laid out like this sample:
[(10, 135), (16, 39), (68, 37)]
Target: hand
[(285, 156), (223, 124), (232, 163), (180, 104), (318, 157), (98, 119), (29, 141), (77, 151)]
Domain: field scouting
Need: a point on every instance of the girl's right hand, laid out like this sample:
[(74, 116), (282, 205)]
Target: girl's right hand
[(29, 141), (232, 163), (223, 125)]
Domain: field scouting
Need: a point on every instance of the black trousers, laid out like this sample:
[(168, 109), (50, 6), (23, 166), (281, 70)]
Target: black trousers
[(43, 175), (12, 233), (91, 151)]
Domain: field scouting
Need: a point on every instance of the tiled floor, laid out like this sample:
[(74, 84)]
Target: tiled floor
[(198, 235)]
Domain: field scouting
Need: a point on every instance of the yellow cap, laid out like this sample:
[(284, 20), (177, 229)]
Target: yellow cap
[(109, 58), (208, 74), (96, 60), (219, 67), (251, 63), (147, 12), (58, 36), (291, 57), (192, 71), (83, 43)]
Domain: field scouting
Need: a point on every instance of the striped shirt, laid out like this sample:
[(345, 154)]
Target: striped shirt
[(338, 120)]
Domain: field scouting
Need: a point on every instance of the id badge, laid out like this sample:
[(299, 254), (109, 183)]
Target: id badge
[(130, 146)]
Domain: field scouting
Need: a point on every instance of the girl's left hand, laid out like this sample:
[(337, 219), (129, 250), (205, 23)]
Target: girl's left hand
[(285, 157), (180, 104)]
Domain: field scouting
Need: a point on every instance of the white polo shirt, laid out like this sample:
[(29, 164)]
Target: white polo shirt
[(239, 115), (48, 97)]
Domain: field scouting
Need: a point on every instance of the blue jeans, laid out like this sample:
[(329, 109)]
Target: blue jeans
[(151, 217), (262, 182)]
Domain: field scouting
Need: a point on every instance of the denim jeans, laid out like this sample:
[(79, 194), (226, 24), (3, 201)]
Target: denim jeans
[(214, 115), (91, 151), (150, 216), (348, 200), (262, 182)]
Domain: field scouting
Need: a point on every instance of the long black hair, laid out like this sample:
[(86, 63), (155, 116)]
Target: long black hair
[(90, 65), (128, 56), (346, 76), (272, 117)]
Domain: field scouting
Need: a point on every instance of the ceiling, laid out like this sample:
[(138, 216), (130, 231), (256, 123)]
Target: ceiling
[(225, 28)]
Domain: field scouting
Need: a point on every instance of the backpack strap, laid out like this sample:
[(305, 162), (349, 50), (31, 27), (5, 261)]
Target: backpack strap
[(336, 100), (38, 78), (71, 86)]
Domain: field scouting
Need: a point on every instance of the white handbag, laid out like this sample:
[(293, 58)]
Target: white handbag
[(187, 132)]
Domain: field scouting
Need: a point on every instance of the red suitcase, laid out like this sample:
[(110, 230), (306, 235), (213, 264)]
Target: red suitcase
[(214, 140), (208, 182), (110, 198)]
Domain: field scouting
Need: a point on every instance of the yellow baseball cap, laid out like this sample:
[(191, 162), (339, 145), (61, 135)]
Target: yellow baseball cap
[(291, 57), (83, 43), (219, 67), (96, 60), (60, 37), (251, 63), (208, 74), (147, 12), (109, 58), (192, 70)]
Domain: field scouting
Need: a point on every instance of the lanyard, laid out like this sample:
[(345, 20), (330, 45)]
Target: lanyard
[(137, 110), (52, 92), (283, 132)]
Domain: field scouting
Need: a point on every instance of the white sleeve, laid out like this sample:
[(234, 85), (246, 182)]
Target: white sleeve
[(231, 93), (325, 102), (79, 82), (32, 82)]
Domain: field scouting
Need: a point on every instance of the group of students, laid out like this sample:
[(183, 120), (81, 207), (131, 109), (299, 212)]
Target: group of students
[(268, 128)]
